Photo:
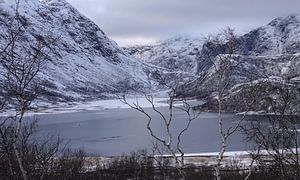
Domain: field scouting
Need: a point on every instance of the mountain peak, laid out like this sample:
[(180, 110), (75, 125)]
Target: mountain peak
[(285, 21), (280, 36)]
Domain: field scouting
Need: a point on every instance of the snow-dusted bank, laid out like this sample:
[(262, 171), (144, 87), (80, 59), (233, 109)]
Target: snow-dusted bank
[(59, 108), (231, 158), (238, 158)]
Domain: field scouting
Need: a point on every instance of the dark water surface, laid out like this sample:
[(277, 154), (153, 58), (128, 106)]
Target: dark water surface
[(116, 131)]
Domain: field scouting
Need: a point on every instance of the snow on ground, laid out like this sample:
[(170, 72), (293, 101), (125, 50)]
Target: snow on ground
[(116, 103), (240, 158), (40, 108), (91, 106)]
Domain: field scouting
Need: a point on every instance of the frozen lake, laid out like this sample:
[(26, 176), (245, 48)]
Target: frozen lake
[(121, 130)]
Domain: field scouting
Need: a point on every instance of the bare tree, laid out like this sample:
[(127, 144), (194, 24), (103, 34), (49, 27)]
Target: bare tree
[(21, 60), (221, 51), (38, 154), (276, 133), (172, 141)]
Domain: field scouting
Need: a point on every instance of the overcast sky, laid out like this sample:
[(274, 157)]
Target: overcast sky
[(146, 21)]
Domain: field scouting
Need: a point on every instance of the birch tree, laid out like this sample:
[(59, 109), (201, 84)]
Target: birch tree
[(172, 142), (221, 51), (21, 60)]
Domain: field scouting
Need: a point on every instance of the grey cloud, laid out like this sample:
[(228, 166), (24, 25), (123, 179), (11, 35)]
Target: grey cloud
[(160, 19)]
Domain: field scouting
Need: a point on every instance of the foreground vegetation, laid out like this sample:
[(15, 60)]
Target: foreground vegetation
[(73, 165)]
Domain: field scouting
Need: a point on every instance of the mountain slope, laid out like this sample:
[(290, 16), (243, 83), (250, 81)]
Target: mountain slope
[(280, 36), (175, 54), (85, 63), (268, 54)]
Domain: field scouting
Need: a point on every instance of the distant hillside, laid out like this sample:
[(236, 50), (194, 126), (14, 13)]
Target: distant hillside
[(270, 53), (176, 54)]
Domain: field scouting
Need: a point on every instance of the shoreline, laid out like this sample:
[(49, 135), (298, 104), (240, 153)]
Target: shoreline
[(62, 108)]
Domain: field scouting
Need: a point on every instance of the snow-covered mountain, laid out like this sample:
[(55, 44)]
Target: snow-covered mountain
[(175, 54), (280, 36), (269, 54), (271, 50), (85, 62)]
